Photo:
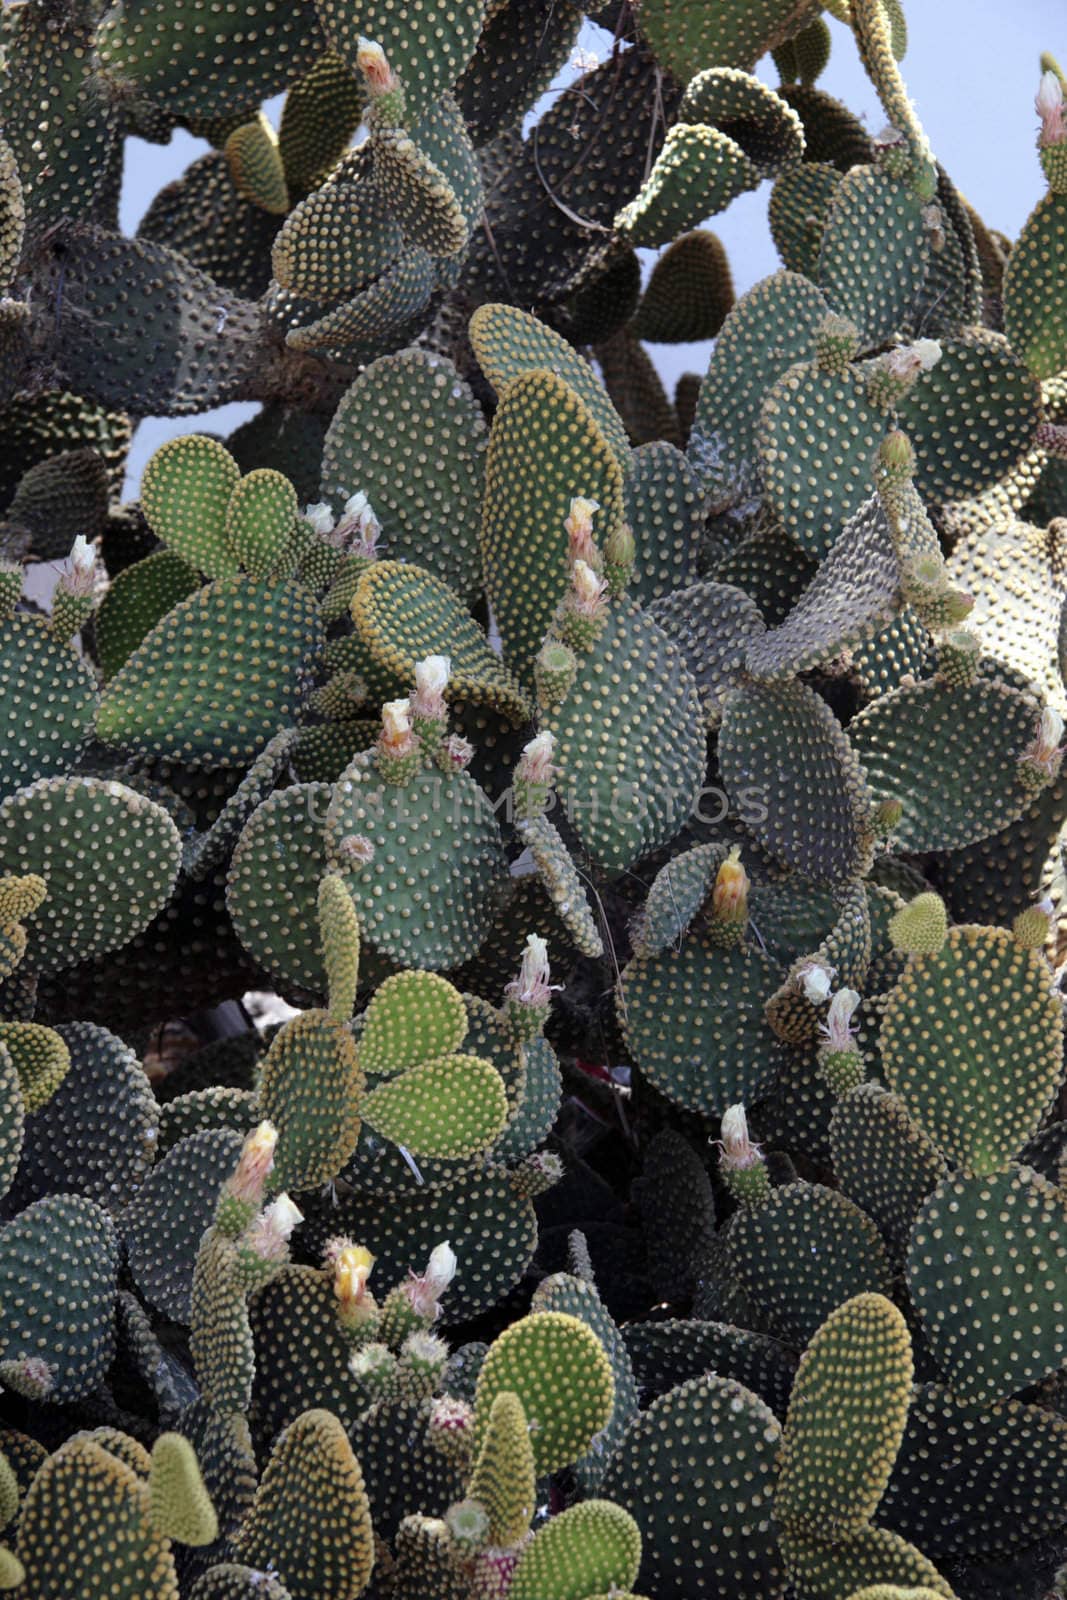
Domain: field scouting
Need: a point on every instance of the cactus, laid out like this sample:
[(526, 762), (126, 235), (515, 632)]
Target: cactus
[(631, 817)]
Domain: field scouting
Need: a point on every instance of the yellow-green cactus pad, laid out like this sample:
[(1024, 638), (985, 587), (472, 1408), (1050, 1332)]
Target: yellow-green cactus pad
[(185, 492), (562, 1376), (586, 1546), (450, 1108), (413, 1017)]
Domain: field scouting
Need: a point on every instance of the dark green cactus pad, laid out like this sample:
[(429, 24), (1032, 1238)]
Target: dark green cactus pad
[(488, 1223), (229, 1580), (821, 1571), (985, 1271), (427, 44), (818, 441), (203, 216), (425, 897), (205, 1110), (978, 1076), (48, 703), (403, 614), (804, 1253), (108, 855), (995, 879), (310, 1088), (854, 593), (56, 500), (772, 570), (289, 440), (51, 424), (538, 1103), (664, 507), (979, 395), (545, 448), (713, 625), (971, 1484), (409, 435), (520, 49), (694, 1020), (696, 1471), (138, 598), (243, 56), (164, 1223), (686, 35), (677, 893), (1018, 575), (441, 136), (1034, 319), (187, 344), (689, 294), (874, 253), (576, 1298), (186, 693), (406, 1472), (782, 750), (846, 1419), (272, 891), (339, 238), (666, 1354), (950, 756), (67, 1243), (762, 124), (884, 1161), (322, 751), (628, 788), (208, 851), (96, 1135), (509, 343), (799, 205), (770, 329), (322, 111), (696, 175), (904, 648), (302, 1354)]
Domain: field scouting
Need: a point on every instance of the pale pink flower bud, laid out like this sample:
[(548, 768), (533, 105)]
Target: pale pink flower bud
[(431, 680), (371, 61), (254, 1164), (1045, 750), (83, 575), (589, 590), (535, 764), (579, 526), (425, 1292), (737, 1149), (837, 1029), (396, 726), (1049, 106)]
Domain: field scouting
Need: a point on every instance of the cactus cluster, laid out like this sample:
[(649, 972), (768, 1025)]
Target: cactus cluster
[(646, 1178)]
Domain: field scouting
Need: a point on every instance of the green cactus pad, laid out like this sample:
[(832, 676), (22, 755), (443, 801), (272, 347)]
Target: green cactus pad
[(628, 789), (697, 173), (712, 624), (854, 593), (87, 1529), (677, 893), (874, 253), (977, 1075), (545, 448), (582, 1549), (260, 517), (999, 1476), (664, 507), (450, 1108), (322, 111), (408, 434), (200, 1110), (108, 855), (385, 314), (302, 1352), (696, 1471), (202, 216), (821, 1571), (41, 1059), (12, 1120), (403, 614), (96, 1135), (846, 1420), (562, 883), (770, 329), (414, 1017), (800, 203), (58, 1266), (48, 703), (666, 1354), (185, 492), (981, 396), (884, 1161), (559, 1370), (207, 851), (686, 35), (818, 441), (406, 1472), (804, 1253), (256, 167), (425, 897), (490, 1226), (689, 293), (135, 601), (765, 127), (772, 570), (694, 1021), (339, 238), (311, 1485), (503, 1482), (985, 1271), (509, 344), (1034, 319), (950, 756), (782, 749), (310, 1088), (272, 891), (164, 1223)]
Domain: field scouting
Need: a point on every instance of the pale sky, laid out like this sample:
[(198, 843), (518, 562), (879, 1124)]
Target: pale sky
[(971, 69)]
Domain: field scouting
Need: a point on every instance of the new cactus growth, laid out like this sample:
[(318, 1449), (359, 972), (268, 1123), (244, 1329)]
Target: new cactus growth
[(532, 906)]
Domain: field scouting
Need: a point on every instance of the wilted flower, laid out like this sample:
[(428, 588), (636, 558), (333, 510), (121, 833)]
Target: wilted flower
[(371, 61), (269, 1234), (579, 526), (254, 1164), (458, 752), (1044, 752), (320, 516), (358, 528), (431, 680), (589, 589), (737, 1149), (837, 1029), (531, 987), (815, 979)]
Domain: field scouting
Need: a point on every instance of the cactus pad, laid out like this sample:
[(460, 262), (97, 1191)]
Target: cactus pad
[(561, 1374), (310, 1090), (584, 1548)]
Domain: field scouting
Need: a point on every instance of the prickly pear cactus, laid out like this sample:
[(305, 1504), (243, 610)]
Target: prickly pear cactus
[(532, 897)]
